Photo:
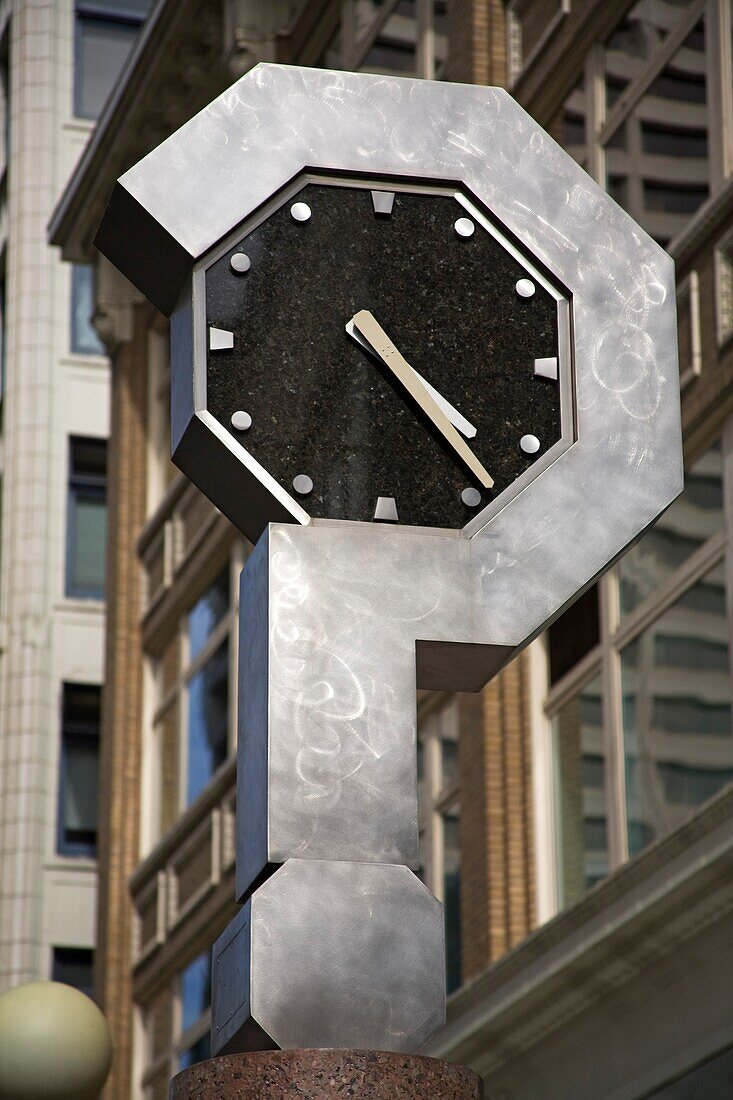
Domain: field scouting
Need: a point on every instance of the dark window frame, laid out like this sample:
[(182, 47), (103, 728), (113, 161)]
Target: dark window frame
[(77, 732), (91, 486), (87, 13)]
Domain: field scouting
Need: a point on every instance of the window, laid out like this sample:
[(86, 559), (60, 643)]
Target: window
[(399, 37), (104, 35), (194, 1018), (73, 966), (84, 337), (79, 770), (87, 517), (580, 774), (724, 288), (653, 692), (440, 823), (192, 717)]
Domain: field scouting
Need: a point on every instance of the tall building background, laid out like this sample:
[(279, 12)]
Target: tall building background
[(58, 62), (577, 816)]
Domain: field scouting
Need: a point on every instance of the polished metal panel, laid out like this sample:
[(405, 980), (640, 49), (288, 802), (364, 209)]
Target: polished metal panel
[(471, 497), (220, 339), (340, 621), (383, 201), (546, 368), (530, 444), (332, 954), (302, 484), (240, 262), (386, 510), (464, 227)]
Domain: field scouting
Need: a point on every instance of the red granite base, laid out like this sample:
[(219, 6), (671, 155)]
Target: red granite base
[(325, 1075)]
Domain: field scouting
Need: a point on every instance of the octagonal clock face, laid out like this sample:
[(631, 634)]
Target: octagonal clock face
[(382, 351)]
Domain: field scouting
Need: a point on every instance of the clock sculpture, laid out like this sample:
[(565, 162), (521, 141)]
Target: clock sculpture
[(429, 367)]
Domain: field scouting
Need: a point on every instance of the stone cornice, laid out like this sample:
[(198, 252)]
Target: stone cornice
[(647, 909), (159, 89)]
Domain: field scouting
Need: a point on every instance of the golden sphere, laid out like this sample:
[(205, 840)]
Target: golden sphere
[(54, 1044)]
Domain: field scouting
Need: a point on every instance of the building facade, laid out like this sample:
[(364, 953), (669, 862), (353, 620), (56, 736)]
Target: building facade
[(58, 62), (577, 815)]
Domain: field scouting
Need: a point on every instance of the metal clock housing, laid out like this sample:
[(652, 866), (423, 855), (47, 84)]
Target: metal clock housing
[(624, 464)]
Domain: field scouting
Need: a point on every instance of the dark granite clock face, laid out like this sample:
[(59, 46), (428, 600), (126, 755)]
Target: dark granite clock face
[(455, 388)]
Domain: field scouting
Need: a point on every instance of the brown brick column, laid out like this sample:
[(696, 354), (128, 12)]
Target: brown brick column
[(477, 43), (497, 855), (122, 703)]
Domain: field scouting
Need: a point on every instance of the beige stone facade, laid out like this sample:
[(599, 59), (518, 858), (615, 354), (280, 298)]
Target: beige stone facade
[(579, 802)]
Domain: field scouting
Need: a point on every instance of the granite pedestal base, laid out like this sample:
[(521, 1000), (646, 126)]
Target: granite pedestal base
[(325, 1075)]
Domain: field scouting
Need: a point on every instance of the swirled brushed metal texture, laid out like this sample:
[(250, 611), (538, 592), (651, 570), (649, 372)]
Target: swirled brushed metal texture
[(214, 172), (331, 954)]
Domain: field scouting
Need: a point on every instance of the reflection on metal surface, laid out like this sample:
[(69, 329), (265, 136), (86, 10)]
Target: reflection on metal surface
[(546, 368), (530, 444), (464, 227), (374, 334), (383, 201), (471, 497), (386, 510), (240, 262), (330, 954), (457, 419), (301, 211), (525, 288), (241, 420), (302, 484), (220, 339)]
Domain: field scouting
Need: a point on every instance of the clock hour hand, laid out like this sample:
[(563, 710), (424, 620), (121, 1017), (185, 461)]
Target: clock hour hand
[(457, 419), (367, 325)]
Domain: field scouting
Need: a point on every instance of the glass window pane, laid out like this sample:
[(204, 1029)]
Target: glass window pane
[(81, 769), (452, 896), (448, 733), (84, 337), (660, 172), (394, 49), (199, 1052), (73, 966), (580, 766), (102, 46), (677, 712), (571, 128), (207, 613), (208, 698), (195, 991), (685, 526), (89, 533)]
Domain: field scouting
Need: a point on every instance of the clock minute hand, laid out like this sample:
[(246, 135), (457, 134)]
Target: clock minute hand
[(367, 324)]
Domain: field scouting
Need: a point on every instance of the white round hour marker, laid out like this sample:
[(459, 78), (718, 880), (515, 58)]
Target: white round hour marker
[(464, 227), (525, 288), (530, 444), (240, 262), (471, 497), (301, 211), (302, 484), (241, 421)]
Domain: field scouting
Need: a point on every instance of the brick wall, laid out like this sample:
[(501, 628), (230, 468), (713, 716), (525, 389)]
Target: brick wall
[(122, 701)]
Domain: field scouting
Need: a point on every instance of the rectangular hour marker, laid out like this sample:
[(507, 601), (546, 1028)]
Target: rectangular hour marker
[(220, 339), (383, 201), (546, 368)]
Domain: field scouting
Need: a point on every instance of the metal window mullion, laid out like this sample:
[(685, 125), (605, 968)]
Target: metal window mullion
[(543, 784), (719, 74), (365, 43), (638, 87), (425, 40), (573, 681), (595, 112), (613, 738), (727, 443)]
